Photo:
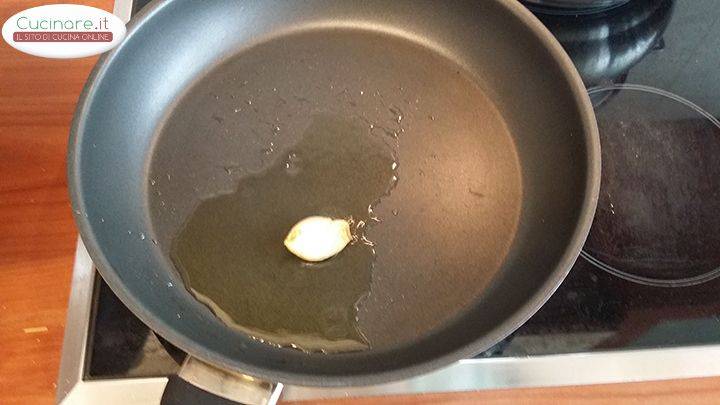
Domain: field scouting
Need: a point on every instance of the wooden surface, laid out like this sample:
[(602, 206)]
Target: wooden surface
[(37, 241)]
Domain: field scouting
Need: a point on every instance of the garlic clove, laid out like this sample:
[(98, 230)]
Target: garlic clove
[(318, 238)]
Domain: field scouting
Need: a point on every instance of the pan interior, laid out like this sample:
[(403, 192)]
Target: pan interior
[(445, 226)]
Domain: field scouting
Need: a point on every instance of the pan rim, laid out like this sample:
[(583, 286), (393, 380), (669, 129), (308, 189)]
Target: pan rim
[(528, 309)]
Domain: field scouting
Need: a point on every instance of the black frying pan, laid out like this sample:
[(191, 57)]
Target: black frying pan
[(495, 187)]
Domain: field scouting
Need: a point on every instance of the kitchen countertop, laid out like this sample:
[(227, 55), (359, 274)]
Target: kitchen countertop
[(37, 244)]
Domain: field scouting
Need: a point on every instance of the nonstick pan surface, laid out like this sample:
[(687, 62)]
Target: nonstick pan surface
[(492, 135)]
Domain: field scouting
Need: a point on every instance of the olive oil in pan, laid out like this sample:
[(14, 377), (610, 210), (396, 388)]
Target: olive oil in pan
[(230, 250)]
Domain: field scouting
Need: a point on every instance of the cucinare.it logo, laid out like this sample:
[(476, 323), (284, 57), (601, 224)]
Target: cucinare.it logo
[(63, 31)]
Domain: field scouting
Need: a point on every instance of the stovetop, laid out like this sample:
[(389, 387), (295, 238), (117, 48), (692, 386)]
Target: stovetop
[(647, 275), (593, 311)]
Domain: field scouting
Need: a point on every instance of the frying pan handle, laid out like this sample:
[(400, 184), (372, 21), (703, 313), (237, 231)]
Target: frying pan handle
[(201, 383)]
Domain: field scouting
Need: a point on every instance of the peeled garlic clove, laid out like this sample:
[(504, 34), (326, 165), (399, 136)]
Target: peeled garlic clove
[(317, 238)]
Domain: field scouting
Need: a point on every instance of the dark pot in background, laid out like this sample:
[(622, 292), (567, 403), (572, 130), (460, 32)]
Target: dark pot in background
[(605, 45), (573, 6)]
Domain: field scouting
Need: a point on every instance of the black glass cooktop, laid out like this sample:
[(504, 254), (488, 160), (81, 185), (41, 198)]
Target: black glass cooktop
[(647, 275)]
